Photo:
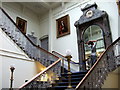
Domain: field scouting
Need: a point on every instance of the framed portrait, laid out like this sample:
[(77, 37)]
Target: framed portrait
[(22, 24), (63, 26)]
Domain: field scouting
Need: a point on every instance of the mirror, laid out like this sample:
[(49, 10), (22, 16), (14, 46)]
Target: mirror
[(95, 34)]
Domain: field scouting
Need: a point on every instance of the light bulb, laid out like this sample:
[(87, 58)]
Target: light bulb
[(68, 52)]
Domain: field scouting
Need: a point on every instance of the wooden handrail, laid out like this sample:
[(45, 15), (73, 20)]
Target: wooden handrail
[(96, 63), (58, 53), (63, 56), (49, 67), (26, 36)]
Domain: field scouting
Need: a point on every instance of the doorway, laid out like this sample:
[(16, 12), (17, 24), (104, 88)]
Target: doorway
[(93, 25), (44, 42)]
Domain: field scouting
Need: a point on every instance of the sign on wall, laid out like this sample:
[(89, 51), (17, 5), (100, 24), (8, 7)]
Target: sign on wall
[(63, 26), (22, 24)]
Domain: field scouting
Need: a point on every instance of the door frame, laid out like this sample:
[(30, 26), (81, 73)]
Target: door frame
[(44, 37), (91, 16)]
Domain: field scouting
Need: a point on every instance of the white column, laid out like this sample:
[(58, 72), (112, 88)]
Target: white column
[(50, 32), (0, 72), (119, 31)]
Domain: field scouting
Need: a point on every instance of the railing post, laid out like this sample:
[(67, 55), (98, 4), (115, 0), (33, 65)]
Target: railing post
[(69, 73), (63, 66), (11, 79)]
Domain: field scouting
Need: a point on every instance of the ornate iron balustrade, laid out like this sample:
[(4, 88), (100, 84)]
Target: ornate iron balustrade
[(33, 51), (63, 57), (106, 63), (46, 78), (64, 60)]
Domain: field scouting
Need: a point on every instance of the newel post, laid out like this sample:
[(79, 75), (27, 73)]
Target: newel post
[(68, 56)]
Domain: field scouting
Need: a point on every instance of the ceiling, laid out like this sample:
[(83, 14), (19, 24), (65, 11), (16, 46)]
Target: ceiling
[(40, 8)]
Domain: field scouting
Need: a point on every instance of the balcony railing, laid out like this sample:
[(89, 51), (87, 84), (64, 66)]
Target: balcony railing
[(106, 63), (65, 62), (33, 51)]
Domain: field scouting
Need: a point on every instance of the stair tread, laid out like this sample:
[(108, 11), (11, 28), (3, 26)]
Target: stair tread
[(82, 72), (64, 86), (77, 75), (72, 79), (71, 82), (61, 83)]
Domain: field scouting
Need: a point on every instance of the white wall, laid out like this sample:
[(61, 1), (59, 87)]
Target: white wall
[(0, 67), (10, 54), (69, 41), (24, 70), (112, 10), (17, 10), (44, 25), (119, 30), (0, 72)]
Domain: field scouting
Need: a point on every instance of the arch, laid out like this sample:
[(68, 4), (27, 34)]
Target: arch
[(95, 17)]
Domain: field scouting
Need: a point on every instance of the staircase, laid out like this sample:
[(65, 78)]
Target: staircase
[(94, 78), (63, 83)]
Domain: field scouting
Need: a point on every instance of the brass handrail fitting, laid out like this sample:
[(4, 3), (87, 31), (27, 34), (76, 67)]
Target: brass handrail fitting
[(69, 73)]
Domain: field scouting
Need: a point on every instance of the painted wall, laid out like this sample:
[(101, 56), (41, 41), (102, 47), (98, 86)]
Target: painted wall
[(11, 54), (119, 31), (44, 25), (0, 72), (69, 41), (110, 7), (17, 10)]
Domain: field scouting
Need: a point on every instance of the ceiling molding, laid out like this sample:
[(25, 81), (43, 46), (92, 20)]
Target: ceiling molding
[(45, 5)]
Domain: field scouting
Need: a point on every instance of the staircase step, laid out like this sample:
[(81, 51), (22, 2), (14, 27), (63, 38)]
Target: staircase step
[(66, 83), (75, 73), (73, 79), (74, 76), (63, 87)]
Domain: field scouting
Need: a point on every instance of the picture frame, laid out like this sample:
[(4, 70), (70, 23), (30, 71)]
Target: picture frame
[(22, 24), (63, 26)]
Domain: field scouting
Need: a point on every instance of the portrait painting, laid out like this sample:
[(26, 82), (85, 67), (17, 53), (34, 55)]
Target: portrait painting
[(63, 26), (22, 24)]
